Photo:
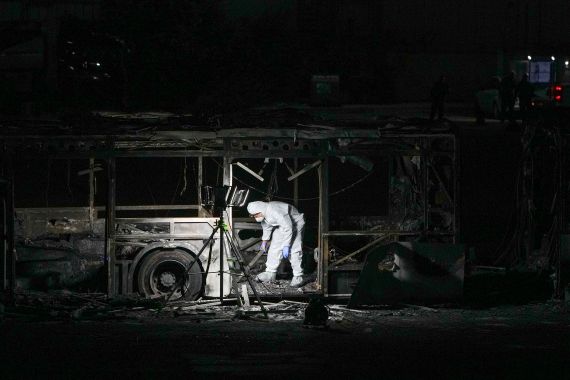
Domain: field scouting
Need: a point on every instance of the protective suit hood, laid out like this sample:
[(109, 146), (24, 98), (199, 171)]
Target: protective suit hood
[(257, 206)]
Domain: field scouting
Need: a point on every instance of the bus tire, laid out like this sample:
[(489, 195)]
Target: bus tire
[(163, 270)]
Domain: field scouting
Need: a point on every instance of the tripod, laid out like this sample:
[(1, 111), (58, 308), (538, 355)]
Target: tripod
[(220, 227)]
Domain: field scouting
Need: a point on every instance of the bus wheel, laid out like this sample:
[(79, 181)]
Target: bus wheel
[(163, 271)]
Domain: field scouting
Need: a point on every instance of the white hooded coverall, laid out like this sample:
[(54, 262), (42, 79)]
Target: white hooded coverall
[(286, 224)]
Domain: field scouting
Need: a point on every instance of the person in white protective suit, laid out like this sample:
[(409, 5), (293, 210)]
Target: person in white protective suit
[(283, 224)]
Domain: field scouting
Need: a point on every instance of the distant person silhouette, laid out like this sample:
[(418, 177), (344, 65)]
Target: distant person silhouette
[(524, 91), (439, 91), (507, 97)]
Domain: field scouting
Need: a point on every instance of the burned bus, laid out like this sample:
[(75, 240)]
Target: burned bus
[(114, 203)]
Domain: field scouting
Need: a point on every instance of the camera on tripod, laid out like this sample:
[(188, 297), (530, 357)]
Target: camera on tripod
[(222, 197)]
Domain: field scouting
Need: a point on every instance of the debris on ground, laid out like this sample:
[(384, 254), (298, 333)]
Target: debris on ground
[(69, 306), (282, 287)]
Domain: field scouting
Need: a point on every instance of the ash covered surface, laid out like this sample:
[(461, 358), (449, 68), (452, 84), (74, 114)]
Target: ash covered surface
[(281, 287), (68, 335)]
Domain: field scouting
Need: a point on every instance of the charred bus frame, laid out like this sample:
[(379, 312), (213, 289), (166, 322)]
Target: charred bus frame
[(313, 142)]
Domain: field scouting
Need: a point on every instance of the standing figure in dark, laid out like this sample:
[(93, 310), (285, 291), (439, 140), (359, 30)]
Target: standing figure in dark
[(439, 91), (507, 97), (525, 92)]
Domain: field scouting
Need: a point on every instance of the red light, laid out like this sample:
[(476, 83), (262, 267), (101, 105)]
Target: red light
[(557, 92)]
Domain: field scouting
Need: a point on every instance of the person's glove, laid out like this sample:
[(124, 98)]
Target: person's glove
[(263, 247), (286, 251)]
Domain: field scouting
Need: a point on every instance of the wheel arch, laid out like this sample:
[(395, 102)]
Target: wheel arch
[(187, 247)]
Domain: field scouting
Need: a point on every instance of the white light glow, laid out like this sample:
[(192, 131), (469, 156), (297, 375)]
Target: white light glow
[(553, 58), (529, 57)]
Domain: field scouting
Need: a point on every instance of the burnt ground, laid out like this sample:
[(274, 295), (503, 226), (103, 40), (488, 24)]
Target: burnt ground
[(505, 342)]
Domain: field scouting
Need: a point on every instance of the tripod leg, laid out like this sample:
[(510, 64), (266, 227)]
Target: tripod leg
[(245, 272)]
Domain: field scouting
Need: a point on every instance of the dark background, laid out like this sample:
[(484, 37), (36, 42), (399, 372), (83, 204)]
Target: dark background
[(213, 56)]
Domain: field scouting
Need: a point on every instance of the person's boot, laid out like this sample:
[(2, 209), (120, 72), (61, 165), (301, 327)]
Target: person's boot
[(266, 277), (297, 282)]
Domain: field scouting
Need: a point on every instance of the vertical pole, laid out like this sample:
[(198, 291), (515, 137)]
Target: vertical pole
[(10, 223), (200, 179), (560, 218), (562, 178), (296, 183), (456, 170), (222, 235), (323, 173), (8, 258), (4, 183), (226, 181), (424, 159), (110, 226), (91, 193)]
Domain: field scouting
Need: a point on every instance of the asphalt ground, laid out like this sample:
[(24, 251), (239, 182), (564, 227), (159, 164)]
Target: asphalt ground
[(508, 342)]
